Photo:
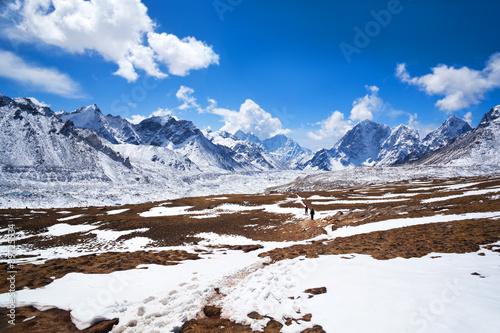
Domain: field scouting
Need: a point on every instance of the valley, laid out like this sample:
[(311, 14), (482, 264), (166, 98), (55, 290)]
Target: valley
[(201, 263)]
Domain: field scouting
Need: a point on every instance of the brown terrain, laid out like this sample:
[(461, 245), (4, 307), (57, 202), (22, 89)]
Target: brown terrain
[(368, 205)]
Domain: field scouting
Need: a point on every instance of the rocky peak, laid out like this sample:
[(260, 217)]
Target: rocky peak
[(491, 117)]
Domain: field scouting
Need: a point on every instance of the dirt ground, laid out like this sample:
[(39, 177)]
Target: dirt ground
[(258, 225)]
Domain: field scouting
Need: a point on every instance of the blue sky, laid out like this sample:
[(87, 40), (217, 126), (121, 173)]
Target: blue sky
[(309, 69)]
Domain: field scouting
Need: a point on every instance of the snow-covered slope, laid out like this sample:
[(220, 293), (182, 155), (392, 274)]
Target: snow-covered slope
[(442, 136), (36, 145), (359, 146), (481, 146), (248, 154), (115, 129), (402, 142), (373, 144), (286, 150), (185, 138), (282, 148), (179, 135)]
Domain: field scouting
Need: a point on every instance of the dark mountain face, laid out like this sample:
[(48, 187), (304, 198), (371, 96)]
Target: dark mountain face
[(115, 129), (176, 132), (491, 117), (362, 143)]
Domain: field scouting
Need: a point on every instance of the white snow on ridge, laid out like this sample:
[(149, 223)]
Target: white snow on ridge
[(117, 211), (112, 235), (408, 222), (70, 217), (465, 194), (166, 295), (65, 229), (352, 202), (368, 295)]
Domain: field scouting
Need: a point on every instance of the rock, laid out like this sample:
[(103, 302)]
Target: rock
[(255, 315), (316, 291), (212, 311)]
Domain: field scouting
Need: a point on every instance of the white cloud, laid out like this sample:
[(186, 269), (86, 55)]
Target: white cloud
[(136, 119), (120, 31), (161, 113), (334, 126), (185, 95), (46, 79), (468, 118), (461, 87), (251, 118), (423, 129), (182, 55), (36, 101), (364, 107)]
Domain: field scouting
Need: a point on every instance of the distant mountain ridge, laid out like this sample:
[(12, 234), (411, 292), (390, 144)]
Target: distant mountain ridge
[(373, 144), (479, 146), (35, 137)]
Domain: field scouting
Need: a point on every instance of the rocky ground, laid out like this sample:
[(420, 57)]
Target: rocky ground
[(52, 243)]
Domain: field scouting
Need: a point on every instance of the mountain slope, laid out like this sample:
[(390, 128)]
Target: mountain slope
[(477, 147), (115, 129), (36, 145), (286, 150), (185, 138), (402, 142), (249, 154)]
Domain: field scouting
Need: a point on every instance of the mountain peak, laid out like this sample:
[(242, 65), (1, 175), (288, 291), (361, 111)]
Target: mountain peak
[(492, 116), (90, 108), (247, 136)]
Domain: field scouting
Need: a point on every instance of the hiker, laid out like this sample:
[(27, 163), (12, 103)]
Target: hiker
[(312, 213), (307, 208)]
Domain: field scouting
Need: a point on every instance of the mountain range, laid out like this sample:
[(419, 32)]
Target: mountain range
[(373, 144), (39, 144)]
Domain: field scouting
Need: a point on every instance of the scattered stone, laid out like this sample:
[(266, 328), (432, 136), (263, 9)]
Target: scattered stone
[(255, 315), (212, 311), (316, 291)]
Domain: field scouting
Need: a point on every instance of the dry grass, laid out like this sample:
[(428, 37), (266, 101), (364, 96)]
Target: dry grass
[(416, 241)]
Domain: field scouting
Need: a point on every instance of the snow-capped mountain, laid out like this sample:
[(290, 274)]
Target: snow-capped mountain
[(115, 129), (402, 142), (361, 145), (372, 144), (247, 153), (479, 146), (444, 134), (286, 150), (35, 145), (185, 138), (168, 132), (282, 148)]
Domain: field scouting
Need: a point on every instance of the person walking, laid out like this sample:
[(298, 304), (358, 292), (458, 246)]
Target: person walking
[(307, 208), (312, 213)]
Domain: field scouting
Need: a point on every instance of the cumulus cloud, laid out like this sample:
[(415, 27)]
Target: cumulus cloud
[(185, 95), (251, 118), (182, 55), (47, 79), (119, 31), (461, 87), (136, 119), (423, 129), (363, 107), (162, 113), (468, 118), (333, 126)]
